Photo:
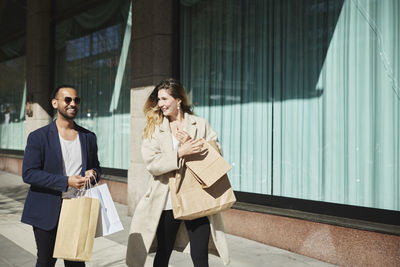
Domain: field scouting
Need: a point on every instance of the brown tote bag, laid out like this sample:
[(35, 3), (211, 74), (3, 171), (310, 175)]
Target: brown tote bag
[(201, 187), (76, 229)]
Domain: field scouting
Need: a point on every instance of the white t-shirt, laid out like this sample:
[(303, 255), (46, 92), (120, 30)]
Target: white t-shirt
[(168, 203), (72, 161)]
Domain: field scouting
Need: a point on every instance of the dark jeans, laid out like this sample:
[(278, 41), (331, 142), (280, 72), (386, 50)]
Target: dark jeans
[(199, 234), (45, 241)]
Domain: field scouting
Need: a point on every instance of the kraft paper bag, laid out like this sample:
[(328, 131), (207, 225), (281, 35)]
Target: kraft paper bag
[(108, 221), (208, 166), (193, 198), (76, 229)]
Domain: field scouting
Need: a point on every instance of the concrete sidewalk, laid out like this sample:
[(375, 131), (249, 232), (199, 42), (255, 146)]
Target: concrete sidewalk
[(17, 244)]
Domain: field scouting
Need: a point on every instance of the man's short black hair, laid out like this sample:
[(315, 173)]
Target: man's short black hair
[(55, 91)]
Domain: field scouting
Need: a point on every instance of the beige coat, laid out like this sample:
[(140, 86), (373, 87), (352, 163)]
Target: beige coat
[(161, 161)]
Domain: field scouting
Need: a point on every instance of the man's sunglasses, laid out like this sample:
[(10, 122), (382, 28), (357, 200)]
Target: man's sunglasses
[(68, 100)]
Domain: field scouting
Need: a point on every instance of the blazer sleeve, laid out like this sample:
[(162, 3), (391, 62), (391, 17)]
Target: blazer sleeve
[(157, 161), (33, 164)]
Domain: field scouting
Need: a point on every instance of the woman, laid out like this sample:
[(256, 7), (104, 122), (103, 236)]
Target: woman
[(171, 133)]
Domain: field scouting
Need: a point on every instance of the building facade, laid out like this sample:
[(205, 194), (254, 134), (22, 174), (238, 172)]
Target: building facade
[(304, 96)]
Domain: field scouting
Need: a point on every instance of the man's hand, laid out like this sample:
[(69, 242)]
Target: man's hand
[(76, 181), (91, 174)]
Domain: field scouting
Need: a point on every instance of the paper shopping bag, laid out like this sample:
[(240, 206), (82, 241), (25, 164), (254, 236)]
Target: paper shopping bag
[(191, 199), (108, 221), (208, 166), (76, 229)]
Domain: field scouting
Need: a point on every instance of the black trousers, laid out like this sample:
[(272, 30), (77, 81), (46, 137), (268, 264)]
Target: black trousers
[(45, 241), (199, 234)]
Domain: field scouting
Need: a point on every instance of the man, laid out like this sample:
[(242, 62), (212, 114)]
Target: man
[(58, 159)]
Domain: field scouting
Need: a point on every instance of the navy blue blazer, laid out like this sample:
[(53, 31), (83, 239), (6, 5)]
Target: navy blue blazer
[(42, 168)]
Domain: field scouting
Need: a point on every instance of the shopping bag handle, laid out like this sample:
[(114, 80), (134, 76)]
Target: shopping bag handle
[(94, 178), (87, 185)]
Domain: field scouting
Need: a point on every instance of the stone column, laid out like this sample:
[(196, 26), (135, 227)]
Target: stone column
[(38, 65), (154, 57)]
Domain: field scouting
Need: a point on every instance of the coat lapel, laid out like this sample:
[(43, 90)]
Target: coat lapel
[(82, 139), (164, 127), (190, 126), (54, 139), (165, 132)]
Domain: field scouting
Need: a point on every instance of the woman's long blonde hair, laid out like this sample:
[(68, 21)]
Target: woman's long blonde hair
[(151, 109)]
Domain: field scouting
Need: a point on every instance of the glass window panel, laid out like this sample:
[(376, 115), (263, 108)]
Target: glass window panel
[(12, 106), (12, 74), (88, 56), (304, 94)]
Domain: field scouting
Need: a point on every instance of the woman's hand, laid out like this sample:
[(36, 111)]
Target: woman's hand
[(190, 147), (182, 136)]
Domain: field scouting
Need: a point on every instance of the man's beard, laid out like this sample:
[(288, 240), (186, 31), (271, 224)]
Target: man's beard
[(66, 115)]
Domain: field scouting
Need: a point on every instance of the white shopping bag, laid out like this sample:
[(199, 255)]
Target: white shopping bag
[(108, 221)]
